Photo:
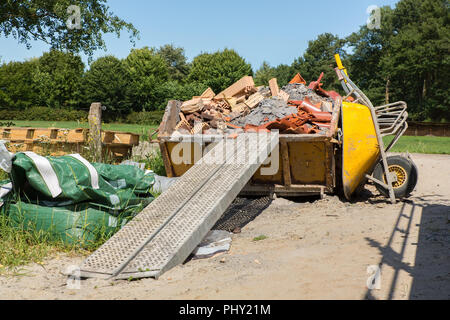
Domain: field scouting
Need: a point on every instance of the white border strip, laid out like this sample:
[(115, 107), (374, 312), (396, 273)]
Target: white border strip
[(48, 174), (91, 169)]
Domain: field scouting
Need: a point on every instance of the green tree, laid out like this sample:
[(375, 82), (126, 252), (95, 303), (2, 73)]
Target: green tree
[(407, 58), (318, 58), (419, 60), (174, 90), (147, 71), (45, 20), (264, 74), (16, 85), (219, 70), (284, 74), (107, 82), (369, 46), (176, 61), (58, 80)]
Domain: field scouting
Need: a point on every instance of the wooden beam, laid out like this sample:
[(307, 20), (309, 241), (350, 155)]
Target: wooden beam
[(242, 85), (274, 89), (170, 119), (208, 94), (285, 162), (254, 100), (166, 159), (95, 131)]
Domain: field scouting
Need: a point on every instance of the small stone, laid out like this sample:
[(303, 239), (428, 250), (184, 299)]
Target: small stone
[(237, 230)]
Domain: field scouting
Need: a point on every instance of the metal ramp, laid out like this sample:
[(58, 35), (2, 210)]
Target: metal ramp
[(166, 232)]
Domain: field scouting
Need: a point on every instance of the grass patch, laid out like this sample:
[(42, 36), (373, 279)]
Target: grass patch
[(143, 130), (20, 247), (428, 144), (260, 238), (22, 242)]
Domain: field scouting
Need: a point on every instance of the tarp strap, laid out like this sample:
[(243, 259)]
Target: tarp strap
[(46, 171), (93, 173)]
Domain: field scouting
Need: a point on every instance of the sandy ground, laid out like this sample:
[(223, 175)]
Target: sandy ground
[(315, 249)]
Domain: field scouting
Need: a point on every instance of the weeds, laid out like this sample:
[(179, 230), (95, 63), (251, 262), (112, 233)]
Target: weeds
[(20, 245), (155, 163), (260, 238), (3, 175)]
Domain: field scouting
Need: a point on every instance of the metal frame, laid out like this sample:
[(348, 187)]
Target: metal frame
[(389, 119), (392, 121)]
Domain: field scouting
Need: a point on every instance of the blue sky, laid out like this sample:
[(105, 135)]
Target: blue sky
[(272, 31)]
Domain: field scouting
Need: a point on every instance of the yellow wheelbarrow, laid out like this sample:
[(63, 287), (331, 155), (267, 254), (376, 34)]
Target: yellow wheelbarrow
[(363, 151)]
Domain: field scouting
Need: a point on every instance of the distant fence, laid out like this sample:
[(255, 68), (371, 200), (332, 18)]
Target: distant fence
[(428, 129)]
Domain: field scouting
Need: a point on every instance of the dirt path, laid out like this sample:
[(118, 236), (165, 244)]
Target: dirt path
[(313, 250)]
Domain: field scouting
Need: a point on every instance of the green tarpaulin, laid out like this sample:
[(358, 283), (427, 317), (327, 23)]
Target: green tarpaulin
[(72, 199)]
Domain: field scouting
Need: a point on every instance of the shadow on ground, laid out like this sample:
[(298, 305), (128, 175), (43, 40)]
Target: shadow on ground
[(431, 270)]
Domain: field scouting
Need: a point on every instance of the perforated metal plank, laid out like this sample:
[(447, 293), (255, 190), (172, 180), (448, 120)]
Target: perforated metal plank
[(174, 243), (116, 252), (167, 231)]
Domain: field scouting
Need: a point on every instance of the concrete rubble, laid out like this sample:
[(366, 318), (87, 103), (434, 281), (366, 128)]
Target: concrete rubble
[(268, 110), (298, 92)]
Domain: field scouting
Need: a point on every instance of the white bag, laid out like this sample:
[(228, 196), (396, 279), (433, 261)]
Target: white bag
[(5, 158)]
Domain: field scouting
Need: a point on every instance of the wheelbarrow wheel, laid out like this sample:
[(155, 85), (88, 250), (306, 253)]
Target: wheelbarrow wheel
[(406, 172)]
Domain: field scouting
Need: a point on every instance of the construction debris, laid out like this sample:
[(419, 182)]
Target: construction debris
[(216, 241), (208, 94), (268, 110), (294, 109), (240, 88), (298, 92), (298, 79), (284, 95), (273, 85)]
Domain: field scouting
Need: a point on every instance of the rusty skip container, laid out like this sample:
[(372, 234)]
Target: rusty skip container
[(307, 162)]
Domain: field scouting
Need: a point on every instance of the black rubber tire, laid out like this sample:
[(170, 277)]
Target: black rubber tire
[(404, 190), (414, 177)]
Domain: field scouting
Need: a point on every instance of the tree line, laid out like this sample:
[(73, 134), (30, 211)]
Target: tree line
[(406, 59)]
